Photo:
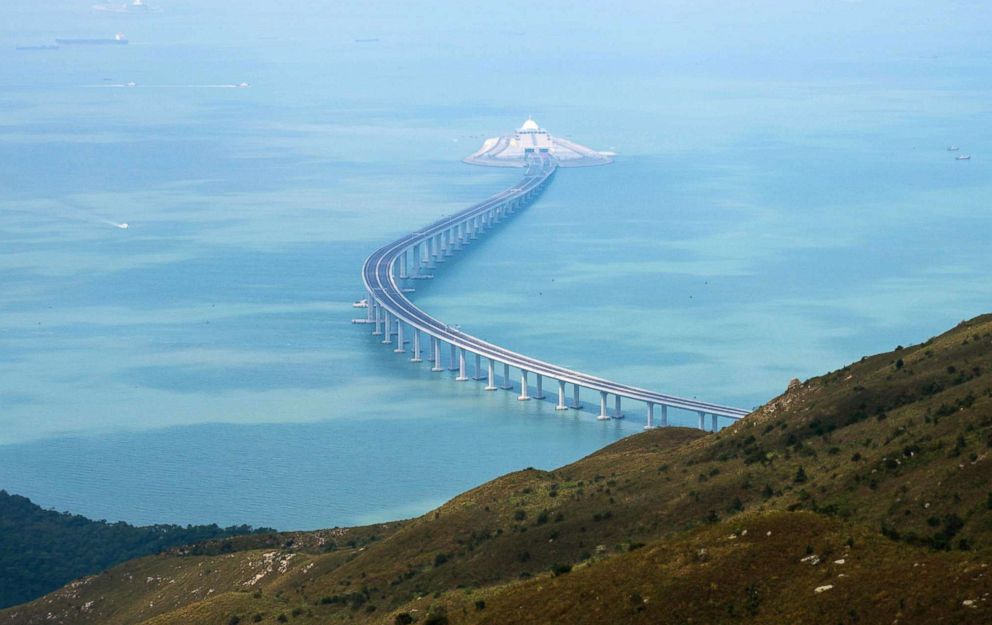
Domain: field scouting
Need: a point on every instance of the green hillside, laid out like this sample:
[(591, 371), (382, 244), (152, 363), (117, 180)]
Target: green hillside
[(40, 550), (873, 480)]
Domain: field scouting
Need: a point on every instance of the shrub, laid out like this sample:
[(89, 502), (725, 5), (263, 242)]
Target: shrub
[(234, 620), (403, 618), (800, 476), (480, 605), (560, 569)]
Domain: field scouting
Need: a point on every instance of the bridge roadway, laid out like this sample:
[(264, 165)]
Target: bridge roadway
[(390, 310)]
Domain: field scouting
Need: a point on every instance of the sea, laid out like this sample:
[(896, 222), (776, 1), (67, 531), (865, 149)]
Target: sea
[(784, 201)]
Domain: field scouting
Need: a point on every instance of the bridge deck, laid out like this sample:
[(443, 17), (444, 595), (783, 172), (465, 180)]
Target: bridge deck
[(381, 283)]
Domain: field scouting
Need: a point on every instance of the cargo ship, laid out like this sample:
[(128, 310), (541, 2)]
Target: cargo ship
[(118, 40)]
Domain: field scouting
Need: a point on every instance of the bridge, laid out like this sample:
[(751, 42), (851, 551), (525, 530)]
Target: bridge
[(396, 318)]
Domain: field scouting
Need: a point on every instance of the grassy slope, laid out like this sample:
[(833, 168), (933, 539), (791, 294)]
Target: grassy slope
[(896, 443), (40, 550)]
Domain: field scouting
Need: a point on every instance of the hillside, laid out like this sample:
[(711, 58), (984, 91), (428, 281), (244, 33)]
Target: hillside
[(40, 550), (882, 465)]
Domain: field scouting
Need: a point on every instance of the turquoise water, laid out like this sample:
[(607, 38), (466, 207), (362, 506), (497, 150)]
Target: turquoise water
[(783, 204)]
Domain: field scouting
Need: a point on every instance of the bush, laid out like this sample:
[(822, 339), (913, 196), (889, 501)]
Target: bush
[(480, 605), (800, 476), (560, 569), (403, 618), (234, 620)]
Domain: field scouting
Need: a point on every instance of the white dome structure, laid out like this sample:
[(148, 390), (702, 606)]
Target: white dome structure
[(530, 125)]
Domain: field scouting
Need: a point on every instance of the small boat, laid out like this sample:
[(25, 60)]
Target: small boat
[(362, 303), (953, 148), (963, 157)]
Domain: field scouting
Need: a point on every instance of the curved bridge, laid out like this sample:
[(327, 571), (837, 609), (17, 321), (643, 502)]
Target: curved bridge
[(413, 256)]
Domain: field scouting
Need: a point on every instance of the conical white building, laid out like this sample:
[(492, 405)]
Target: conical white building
[(513, 150)]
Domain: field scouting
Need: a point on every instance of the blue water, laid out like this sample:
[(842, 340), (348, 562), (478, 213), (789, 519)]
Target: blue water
[(783, 204)]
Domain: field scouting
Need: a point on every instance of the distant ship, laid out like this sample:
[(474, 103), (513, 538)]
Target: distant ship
[(963, 157), (118, 40), (953, 148)]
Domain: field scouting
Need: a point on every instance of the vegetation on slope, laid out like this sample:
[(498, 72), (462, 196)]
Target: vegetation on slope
[(40, 550), (883, 464)]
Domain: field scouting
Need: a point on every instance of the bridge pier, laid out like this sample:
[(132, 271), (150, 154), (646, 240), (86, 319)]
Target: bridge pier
[(369, 308), (664, 416), (403, 274), (506, 386), (416, 346), (437, 355), (400, 345), (377, 330), (478, 368), (461, 366), (448, 243), (617, 413), (650, 423), (602, 407), (491, 383), (576, 404), (453, 358), (702, 420), (387, 331), (540, 386), (714, 417), (561, 396), (523, 386)]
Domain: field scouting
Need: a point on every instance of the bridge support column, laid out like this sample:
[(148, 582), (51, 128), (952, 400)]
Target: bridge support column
[(453, 360), (664, 416), (713, 417), (369, 308), (448, 242), (403, 274), (702, 420), (461, 366), (523, 386), (506, 378), (416, 346), (561, 396), (617, 413), (416, 257), (602, 407), (576, 404), (387, 331), (400, 344), (377, 330), (491, 382), (478, 368), (540, 387), (437, 355), (650, 423), (431, 251)]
